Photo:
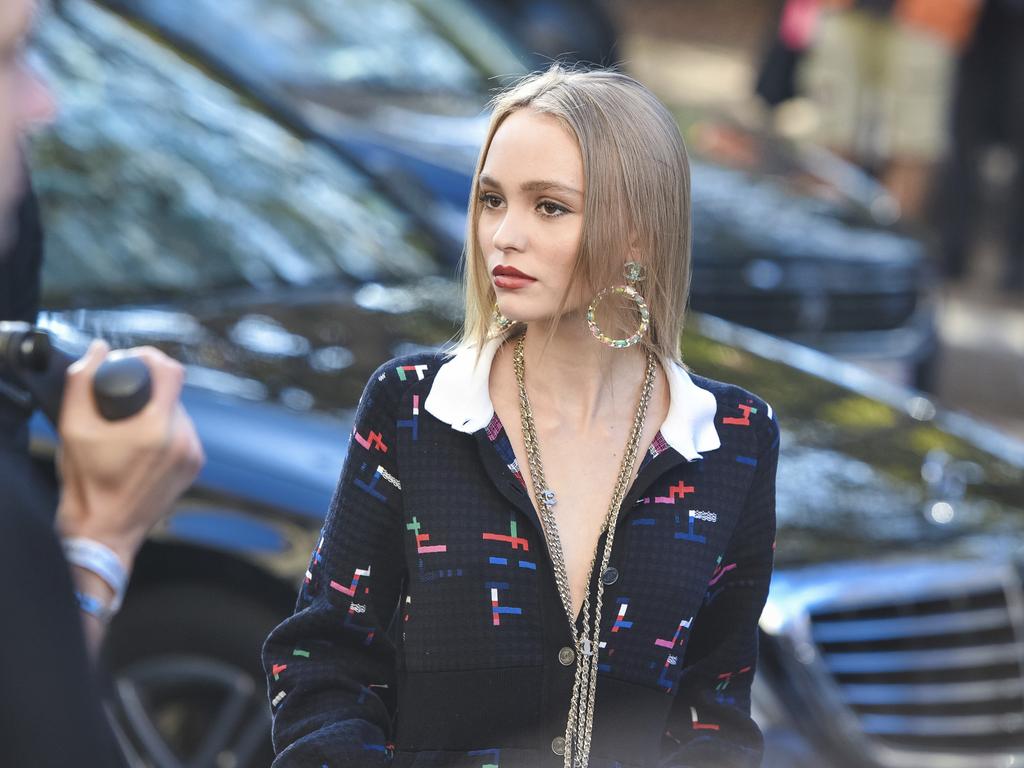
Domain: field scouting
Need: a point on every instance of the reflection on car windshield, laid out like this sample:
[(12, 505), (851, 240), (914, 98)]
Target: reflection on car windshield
[(379, 44), (157, 180)]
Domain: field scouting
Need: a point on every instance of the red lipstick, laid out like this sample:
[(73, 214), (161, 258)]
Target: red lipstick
[(510, 278)]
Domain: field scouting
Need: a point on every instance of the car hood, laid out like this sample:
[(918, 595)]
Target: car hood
[(865, 471)]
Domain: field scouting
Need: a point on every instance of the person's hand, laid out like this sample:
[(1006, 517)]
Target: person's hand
[(120, 478)]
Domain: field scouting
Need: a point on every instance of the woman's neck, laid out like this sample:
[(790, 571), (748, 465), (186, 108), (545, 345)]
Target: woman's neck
[(575, 381)]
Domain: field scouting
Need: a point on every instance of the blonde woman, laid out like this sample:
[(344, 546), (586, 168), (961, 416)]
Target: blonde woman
[(550, 545)]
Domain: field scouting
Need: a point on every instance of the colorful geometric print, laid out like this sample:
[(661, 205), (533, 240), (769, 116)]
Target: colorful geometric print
[(440, 573), (419, 370), (620, 618), (726, 677), (716, 576), (689, 534), (676, 638), (422, 538), (351, 590), (678, 490), (698, 725), (705, 498), (374, 439), (316, 558), (740, 421), (497, 610), (720, 571), (672, 660), (414, 422), (531, 566), (371, 487), (512, 537)]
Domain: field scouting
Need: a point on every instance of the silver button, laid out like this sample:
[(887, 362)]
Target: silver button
[(610, 575), (566, 656), (558, 745)]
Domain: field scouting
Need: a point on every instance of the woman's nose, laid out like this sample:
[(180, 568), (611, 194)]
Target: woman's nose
[(510, 234)]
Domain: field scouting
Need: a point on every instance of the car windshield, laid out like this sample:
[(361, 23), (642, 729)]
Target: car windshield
[(157, 180), (392, 45)]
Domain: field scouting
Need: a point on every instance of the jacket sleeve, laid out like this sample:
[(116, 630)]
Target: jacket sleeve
[(710, 723), (331, 665)]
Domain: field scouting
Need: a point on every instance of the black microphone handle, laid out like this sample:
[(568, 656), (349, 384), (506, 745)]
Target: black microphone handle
[(121, 387)]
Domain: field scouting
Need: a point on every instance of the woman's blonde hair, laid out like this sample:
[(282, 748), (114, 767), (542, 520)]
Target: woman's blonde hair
[(636, 192)]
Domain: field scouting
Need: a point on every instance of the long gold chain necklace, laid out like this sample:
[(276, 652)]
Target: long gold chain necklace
[(579, 725)]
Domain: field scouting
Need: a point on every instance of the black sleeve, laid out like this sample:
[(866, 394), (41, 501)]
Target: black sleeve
[(710, 721), (331, 666), (50, 714)]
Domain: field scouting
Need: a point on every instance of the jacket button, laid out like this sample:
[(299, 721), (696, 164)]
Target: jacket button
[(566, 656), (558, 745), (610, 575)]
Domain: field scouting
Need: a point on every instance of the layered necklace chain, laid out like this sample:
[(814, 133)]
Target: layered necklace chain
[(581, 708)]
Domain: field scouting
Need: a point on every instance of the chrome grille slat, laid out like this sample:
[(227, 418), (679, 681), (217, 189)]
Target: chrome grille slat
[(934, 659), (855, 630), (954, 725), (926, 693)]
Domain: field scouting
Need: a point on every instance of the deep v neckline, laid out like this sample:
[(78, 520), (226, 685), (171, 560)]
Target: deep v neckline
[(502, 443)]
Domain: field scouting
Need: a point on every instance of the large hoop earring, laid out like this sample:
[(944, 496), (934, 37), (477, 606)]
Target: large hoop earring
[(634, 273)]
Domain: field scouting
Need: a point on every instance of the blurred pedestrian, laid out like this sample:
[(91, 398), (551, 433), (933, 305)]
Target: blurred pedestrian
[(879, 73), (987, 110), (117, 481)]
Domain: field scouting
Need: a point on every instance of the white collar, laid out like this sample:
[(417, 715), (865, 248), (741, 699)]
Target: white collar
[(460, 397)]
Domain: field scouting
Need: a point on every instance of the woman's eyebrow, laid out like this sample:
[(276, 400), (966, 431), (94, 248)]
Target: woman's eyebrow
[(540, 185)]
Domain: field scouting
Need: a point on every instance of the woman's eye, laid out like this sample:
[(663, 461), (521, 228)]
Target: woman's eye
[(552, 209), (487, 199)]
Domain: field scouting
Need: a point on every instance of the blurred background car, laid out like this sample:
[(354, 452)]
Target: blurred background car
[(184, 213), (791, 242)]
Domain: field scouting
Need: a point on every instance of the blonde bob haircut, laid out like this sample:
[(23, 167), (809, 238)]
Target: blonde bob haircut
[(636, 201)]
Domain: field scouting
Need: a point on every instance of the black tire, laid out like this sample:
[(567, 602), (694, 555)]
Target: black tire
[(188, 685)]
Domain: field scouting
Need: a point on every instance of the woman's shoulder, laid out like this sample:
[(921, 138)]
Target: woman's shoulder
[(737, 405), (395, 377)]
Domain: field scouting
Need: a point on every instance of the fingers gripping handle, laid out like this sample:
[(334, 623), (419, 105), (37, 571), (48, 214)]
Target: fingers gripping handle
[(121, 387)]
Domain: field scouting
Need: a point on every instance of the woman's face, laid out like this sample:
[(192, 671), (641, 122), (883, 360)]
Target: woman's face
[(531, 220)]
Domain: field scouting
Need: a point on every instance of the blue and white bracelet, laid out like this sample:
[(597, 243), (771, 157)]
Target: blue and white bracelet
[(103, 561)]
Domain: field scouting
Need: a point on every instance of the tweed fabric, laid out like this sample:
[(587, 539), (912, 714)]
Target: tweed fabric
[(428, 629)]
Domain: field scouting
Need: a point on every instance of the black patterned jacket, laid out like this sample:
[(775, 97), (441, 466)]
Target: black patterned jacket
[(429, 631)]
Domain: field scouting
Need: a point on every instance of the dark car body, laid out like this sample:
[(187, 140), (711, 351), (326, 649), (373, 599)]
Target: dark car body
[(180, 214), (821, 263)]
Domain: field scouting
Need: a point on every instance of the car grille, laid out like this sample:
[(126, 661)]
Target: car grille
[(936, 674)]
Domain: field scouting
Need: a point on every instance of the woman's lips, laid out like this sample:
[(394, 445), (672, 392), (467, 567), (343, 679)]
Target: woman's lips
[(511, 282), (511, 278)]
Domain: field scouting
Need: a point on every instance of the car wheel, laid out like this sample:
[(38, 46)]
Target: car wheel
[(188, 686)]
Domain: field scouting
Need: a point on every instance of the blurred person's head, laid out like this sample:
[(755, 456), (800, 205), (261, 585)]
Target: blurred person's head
[(24, 102), (616, 188)]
